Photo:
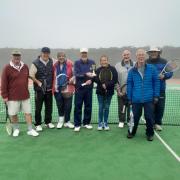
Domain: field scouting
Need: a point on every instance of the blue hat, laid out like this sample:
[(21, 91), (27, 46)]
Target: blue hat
[(46, 50)]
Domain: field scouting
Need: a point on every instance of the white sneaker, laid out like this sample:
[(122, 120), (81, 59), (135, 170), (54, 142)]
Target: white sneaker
[(39, 128), (158, 127), (32, 132), (88, 126), (100, 128), (16, 133), (77, 129), (50, 125), (60, 124), (121, 125), (106, 128), (69, 125)]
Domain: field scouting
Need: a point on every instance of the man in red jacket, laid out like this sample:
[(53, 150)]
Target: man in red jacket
[(14, 91)]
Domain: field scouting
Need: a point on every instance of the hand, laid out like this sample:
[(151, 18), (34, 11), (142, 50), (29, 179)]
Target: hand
[(5, 100), (72, 80), (161, 76), (88, 82), (39, 83), (104, 86), (91, 75), (155, 100), (119, 93)]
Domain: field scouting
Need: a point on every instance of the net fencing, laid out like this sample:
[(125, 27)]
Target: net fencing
[(171, 114)]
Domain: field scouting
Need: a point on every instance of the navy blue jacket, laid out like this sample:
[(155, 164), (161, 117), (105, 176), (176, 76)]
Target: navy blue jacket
[(159, 63), (143, 89), (109, 85), (80, 70)]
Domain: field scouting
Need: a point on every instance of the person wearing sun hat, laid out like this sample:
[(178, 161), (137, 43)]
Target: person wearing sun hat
[(15, 93), (156, 60)]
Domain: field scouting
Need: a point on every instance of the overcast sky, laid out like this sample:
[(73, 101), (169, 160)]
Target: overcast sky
[(89, 23)]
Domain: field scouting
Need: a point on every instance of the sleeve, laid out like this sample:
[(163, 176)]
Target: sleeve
[(156, 82), (129, 85), (4, 84), (32, 71)]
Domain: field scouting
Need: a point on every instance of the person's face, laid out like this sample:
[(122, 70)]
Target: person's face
[(104, 62), (45, 56), (126, 56), (154, 54), (84, 55), (61, 57), (16, 59), (140, 56)]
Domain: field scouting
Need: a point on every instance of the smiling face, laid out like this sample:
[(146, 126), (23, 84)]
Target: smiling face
[(153, 54), (104, 61), (45, 56), (61, 57), (140, 56), (126, 55), (84, 56), (16, 59)]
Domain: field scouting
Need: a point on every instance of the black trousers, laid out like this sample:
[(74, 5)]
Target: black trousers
[(41, 98), (64, 106), (123, 117)]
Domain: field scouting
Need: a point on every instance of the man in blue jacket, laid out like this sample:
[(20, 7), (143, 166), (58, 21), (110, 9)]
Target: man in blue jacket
[(143, 91), (83, 71), (159, 63)]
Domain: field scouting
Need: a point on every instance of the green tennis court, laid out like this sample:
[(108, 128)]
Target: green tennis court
[(93, 155)]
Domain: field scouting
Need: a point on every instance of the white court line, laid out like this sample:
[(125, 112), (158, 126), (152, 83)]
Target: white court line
[(166, 145)]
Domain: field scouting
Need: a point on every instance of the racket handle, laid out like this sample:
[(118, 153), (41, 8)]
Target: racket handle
[(124, 108), (83, 84)]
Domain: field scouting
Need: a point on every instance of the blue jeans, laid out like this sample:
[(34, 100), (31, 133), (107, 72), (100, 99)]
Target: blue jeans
[(148, 114), (104, 104)]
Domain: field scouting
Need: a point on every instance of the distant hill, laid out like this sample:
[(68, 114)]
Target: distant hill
[(114, 54)]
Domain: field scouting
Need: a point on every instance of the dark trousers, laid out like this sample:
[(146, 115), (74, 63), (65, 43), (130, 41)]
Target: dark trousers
[(82, 96), (104, 104), (126, 114), (159, 109), (64, 106), (41, 98), (148, 114)]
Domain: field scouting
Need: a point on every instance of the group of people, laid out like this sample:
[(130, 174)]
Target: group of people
[(145, 90)]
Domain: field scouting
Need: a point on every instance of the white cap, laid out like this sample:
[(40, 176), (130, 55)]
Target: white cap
[(84, 50), (154, 49)]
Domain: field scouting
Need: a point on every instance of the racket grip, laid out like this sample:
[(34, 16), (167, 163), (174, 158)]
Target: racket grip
[(124, 107), (83, 84)]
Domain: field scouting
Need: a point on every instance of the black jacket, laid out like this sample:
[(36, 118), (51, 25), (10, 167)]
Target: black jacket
[(109, 85)]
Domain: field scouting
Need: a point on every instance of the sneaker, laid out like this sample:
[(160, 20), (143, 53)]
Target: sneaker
[(16, 133), (77, 129), (121, 125), (150, 138), (50, 125), (100, 128), (39, 128), (158, 127), (106, 128), (32, 132), (88, 126), (60, 124), (69, 125)]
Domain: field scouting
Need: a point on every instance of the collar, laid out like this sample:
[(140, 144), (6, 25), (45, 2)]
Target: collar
[(130, 62), (17, 67), (44, 62), (84, 62)]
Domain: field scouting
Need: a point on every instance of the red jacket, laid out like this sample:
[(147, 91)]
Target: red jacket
[(69, 64), (14, 83)]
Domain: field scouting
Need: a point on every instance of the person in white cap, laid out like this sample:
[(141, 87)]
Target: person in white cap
[(83, 71), (14, 91), (155, 59)]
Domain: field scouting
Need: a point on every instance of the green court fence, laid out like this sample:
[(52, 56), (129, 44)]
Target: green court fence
[(171, 115)]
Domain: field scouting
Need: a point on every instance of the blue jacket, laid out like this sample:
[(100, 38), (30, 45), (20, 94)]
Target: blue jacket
[(143, 89), (159, 63), (80, 70)]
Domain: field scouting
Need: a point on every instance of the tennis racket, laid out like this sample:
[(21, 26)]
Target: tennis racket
[(131, 120), (124, 96), (105, 76), (170, 66), (8, 126)]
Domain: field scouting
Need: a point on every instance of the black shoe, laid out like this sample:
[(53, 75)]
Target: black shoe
[(150, 138), (130, 136)]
